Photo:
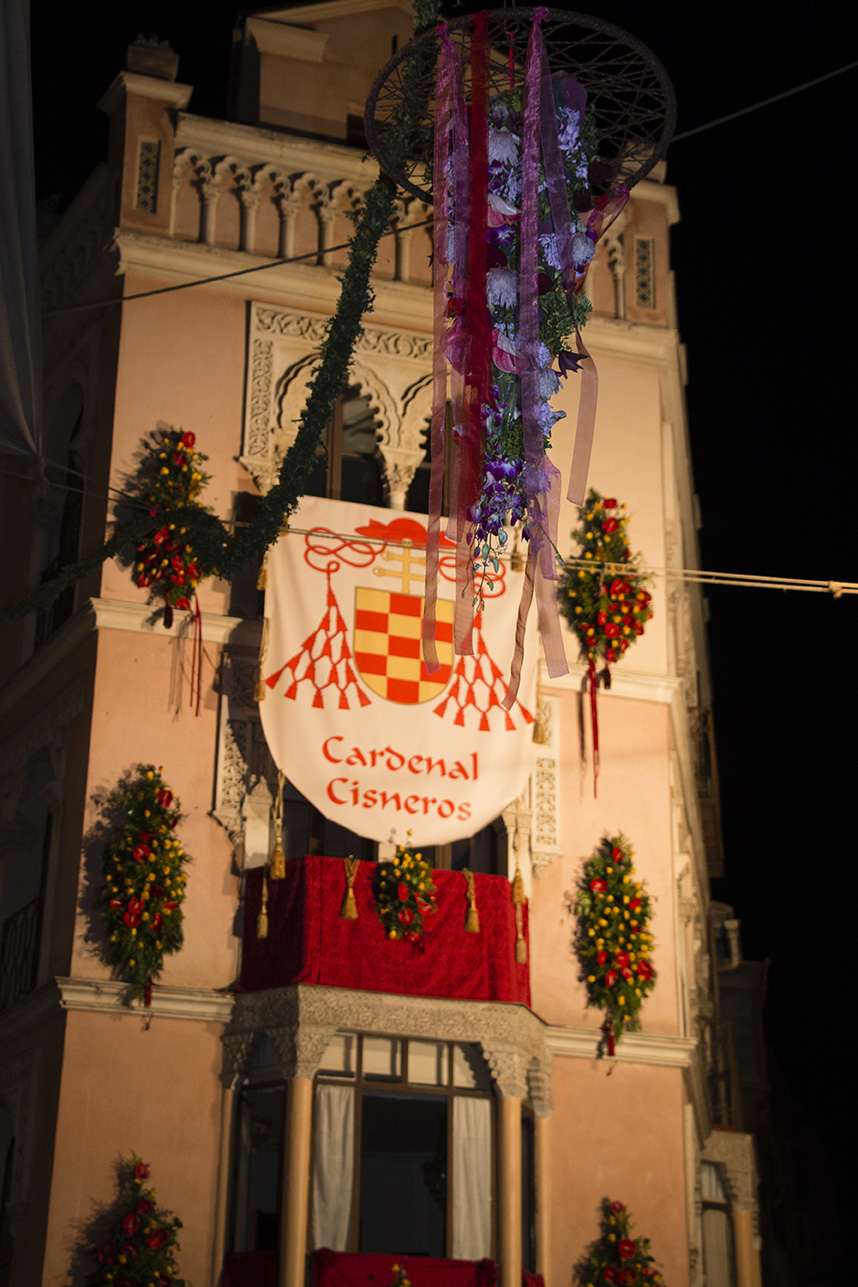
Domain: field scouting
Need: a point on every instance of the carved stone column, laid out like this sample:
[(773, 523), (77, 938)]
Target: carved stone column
[(400, 466), (509, 1196), (210, 196), (296, 1182)]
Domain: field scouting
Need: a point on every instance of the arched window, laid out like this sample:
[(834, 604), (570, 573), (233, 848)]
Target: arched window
[(61, 511), (349, 462)]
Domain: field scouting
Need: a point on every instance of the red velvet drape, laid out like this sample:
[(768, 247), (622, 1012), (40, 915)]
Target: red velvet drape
[(352, 1269), (310, 942)]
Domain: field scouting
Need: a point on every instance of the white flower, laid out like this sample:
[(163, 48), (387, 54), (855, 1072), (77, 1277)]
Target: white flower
[(502, 207), (582, 249), (549, 382), (570, 123), (502, 287), (504, 146)]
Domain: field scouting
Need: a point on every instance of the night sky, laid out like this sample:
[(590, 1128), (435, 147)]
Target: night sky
[(765, 262)]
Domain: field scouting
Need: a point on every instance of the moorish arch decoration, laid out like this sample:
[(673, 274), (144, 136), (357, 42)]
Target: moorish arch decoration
[(392, 367)]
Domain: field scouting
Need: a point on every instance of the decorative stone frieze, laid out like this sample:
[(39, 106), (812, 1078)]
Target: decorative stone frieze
[(300, 1021), (545, 790)]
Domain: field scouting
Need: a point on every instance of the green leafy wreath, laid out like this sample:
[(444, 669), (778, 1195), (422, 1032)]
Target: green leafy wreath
[(143, 882), (139, 1239), (404, 893), (613, 941), (615, 1257), (607, 604), (170, 478)]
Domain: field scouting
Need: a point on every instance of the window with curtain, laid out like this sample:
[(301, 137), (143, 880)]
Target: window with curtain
[(403, 1149), (348, 467), (719, 1258)]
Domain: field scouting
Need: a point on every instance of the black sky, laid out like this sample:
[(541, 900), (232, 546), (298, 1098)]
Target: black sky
[(765, 261)]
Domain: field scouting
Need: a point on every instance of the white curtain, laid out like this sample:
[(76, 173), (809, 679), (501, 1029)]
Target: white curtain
[(472, 1178), (333, 1166)]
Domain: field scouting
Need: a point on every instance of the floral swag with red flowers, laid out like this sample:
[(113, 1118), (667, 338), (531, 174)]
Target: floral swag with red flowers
[(143, 882), (404, 894), (602, 594), (613, 941), (170, 479), (616, 1257), (138, 1239)]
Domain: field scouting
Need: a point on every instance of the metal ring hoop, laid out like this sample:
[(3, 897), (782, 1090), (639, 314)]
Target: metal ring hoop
[(628, 87)]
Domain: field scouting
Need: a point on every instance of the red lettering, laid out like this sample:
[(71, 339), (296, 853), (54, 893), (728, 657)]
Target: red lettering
[(356, 757), (408, 800), (392, 756), (464, 812), (370, 799), (355, 793), (458, 770), (450, 809), (476, 773), (415, 759), (331, 795), (427, 800), (390, 799), (435, 764), (332, 758)]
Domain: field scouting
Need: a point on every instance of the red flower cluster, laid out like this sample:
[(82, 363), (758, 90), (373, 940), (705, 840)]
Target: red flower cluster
[(143, 1244)]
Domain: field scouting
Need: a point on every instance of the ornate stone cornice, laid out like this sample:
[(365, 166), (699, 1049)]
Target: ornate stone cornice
[(105, 995), (300, 1021)]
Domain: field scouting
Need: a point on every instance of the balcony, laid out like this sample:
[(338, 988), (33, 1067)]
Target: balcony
[(19, 953), (309, 941)]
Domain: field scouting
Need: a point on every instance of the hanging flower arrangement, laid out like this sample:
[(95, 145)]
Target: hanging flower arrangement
[(404, 894), (143, 884), (140, 1238), (603, 595), (616, 1257), (521, 198), (171, 479), (613, 940)]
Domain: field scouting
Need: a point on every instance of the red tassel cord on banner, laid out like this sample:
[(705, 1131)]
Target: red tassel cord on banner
[(594, 719), (197, 656)]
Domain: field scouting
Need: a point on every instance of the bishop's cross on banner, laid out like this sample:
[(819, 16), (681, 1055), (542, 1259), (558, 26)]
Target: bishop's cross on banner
[(351, 714)]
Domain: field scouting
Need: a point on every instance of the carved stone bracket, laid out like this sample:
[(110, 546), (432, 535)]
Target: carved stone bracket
[(300, 1021), (734, 1152)]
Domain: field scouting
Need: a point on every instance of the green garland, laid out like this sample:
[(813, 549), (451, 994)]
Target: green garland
[(606, 605), (170, 478), (214, 546), (139, 1238), (616, 1258), (143, 882), (613, 941), (404, 894)]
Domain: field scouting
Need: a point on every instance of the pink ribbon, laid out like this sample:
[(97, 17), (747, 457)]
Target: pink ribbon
[(541, 478)]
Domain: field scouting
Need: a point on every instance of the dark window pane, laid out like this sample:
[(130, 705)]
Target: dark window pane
[(403, 1175), (258, 1164), (528, 1204)]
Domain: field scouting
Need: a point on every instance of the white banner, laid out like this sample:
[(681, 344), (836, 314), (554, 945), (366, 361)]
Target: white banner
[(351, 714)]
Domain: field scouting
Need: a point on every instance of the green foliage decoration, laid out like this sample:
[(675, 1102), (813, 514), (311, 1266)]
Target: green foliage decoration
[(138, 1239), (170, 477), (143, 885), (613, 940), (602, 593), (215, 547), (404, 893), (615, 1257)]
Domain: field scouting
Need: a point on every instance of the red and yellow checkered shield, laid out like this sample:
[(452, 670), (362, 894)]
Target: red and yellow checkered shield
[(387, 647)]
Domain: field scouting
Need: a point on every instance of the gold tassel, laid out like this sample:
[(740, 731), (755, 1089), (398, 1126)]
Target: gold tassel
[(540, 729), (262, 918), (277, 862), (518, 901), (472, 920), (349, 911), (259, 686), (262, 579)]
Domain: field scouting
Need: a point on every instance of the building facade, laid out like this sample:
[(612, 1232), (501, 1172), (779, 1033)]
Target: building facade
[(244, 1102)]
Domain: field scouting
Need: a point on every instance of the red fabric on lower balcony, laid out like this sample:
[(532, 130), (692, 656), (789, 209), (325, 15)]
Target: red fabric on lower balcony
[(358, 1269), (310, 942)]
